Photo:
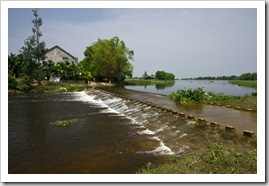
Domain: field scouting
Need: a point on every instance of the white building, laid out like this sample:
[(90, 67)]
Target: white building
[(57, 54)]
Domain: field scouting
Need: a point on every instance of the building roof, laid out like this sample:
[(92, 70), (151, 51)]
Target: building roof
[(56, 46)]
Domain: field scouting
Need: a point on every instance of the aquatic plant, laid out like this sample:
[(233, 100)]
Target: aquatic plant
[(64, 122), (197, 95)]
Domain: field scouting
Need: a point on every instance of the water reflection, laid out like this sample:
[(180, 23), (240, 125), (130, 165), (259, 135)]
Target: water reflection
[(216, 86), (164, 85)]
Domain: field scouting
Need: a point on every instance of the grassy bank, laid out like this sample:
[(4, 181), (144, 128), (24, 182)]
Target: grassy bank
[(245, 83), (51, 88), (198, 95), (241, 102), (146, 81), (209, 151), (215, 159)]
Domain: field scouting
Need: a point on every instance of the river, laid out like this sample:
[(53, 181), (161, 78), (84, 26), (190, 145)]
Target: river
[(110, 135), (215, 86)]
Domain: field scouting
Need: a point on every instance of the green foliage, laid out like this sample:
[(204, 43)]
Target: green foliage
[(108, 59), (25, 84), (162, 75), (245, 83), (33, 51), (64, 123), (216, 159), (188, 96), (248, 76), (160, 83), (222, 97), (146, 76), (233, 77), (245, 76), (166, 84), (12, 82), (48, 68), (15, 64), (198, 95)]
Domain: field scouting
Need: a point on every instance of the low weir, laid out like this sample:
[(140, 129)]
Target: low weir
[(161, 123), (242, 122)]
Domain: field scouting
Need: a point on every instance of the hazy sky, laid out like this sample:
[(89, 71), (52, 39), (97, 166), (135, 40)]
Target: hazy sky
[(186, 42)]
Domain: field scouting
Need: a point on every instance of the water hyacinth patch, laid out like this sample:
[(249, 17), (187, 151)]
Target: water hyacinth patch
[(64, 122), (197, 95)]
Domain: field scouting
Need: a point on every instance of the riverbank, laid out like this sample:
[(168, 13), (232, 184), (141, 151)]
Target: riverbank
[(198, 95), (245, 83), (48, 87), (217, 158), (147, 81)]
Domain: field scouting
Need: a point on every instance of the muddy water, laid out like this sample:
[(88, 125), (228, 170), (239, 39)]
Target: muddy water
[(110, 135)]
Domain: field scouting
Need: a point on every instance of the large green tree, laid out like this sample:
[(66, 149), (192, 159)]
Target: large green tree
[(109, 59), (34, 50), (162, 75)]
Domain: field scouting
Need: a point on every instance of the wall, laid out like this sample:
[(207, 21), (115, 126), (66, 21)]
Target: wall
[(57, 55)]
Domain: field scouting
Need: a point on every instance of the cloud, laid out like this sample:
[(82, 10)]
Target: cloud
[(186, 42)]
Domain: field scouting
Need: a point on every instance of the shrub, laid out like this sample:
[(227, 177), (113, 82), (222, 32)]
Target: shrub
[(25, 84), (12, 82), (190, 95)]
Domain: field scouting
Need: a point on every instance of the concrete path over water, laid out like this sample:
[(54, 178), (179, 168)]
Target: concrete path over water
[(240, 120)]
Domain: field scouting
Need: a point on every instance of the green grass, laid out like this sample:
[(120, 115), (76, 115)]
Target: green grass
[(58, 87), (216, 159), (146, 81), (242, 102), (245, 83)]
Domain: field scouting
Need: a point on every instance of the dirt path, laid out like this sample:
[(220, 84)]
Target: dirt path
[(240, 120)]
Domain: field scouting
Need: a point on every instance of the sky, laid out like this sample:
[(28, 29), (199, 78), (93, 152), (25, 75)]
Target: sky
[(186, 42)]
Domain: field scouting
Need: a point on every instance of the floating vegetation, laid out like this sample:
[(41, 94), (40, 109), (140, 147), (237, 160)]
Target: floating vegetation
[(64, 122)]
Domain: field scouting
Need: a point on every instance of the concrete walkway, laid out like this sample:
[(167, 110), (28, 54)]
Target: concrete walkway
[(240, 120)]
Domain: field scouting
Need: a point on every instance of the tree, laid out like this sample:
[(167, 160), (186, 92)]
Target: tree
[(146, 76), (15, 64), (61, 69), (248, 76), (162, 75), (109, 59), (33, 50), (48, 68)]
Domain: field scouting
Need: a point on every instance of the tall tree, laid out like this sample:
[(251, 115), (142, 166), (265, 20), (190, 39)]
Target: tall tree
[(33, 50), (109, 59)]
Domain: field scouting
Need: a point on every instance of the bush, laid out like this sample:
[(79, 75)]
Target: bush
[(25, 84), (190, 95), (12, 82)]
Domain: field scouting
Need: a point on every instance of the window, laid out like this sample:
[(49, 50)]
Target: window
[(65, 59)]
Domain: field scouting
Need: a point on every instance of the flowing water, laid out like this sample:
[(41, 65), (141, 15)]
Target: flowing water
[(110, 135)]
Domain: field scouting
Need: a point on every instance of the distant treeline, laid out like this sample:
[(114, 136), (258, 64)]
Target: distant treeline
[(245, 76)]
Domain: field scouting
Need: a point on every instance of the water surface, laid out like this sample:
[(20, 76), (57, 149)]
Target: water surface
[(216, 86), (111, 135)]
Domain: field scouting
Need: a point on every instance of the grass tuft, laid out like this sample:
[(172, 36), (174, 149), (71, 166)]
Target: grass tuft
[(216, 159)]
